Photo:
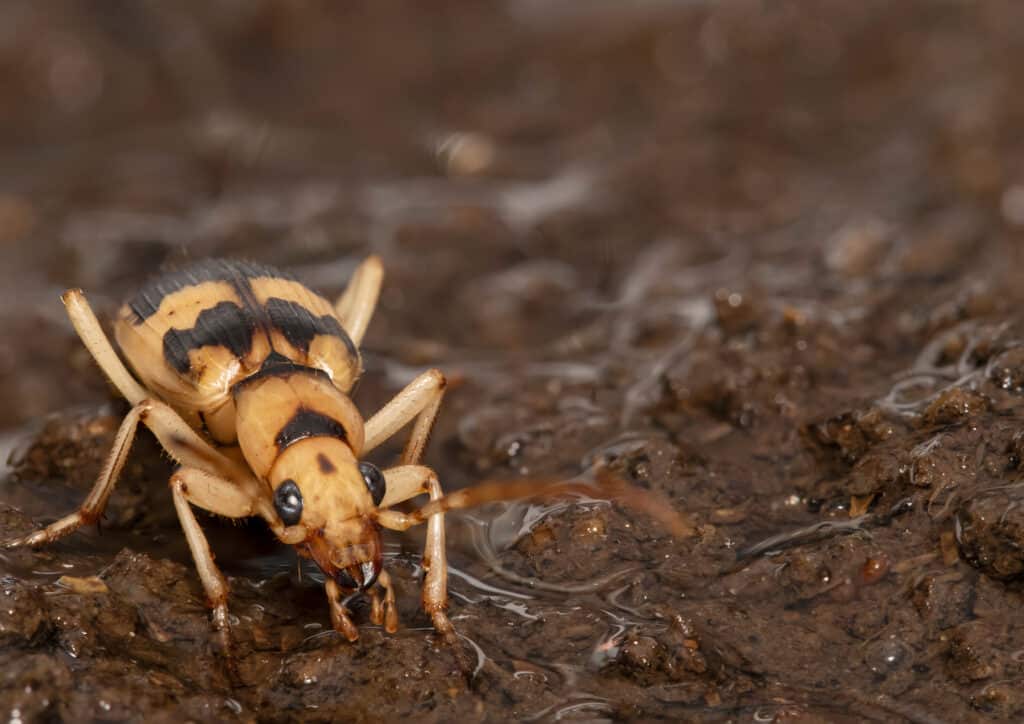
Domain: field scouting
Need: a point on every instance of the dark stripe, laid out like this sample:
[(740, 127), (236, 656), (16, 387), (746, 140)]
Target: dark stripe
[(278, 368), (276, 359), (147, 301), (224, 325), (326, 466), (299, 326), (308, 423)]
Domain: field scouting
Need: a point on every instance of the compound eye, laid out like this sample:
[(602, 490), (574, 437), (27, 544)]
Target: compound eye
[(374, 479), (288, 502)]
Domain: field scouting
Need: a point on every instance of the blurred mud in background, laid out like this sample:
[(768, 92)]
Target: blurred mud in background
[(763, 257)]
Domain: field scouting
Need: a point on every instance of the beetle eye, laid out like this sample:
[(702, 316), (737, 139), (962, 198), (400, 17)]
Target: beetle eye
[(288, 502), (374, 481)]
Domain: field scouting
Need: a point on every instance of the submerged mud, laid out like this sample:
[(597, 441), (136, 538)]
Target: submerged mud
[(760, 259)]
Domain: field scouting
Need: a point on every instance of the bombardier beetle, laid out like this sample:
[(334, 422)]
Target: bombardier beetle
[(245, 378)]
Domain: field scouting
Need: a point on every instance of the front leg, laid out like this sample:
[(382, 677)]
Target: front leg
[(421, 399), (405, 482), (222, 497)]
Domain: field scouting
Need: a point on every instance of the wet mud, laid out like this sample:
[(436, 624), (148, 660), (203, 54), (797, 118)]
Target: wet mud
[(761, 258)]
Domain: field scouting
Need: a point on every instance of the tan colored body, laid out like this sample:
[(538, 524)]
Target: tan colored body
[(240, 362), (245, 379), (203, 394)]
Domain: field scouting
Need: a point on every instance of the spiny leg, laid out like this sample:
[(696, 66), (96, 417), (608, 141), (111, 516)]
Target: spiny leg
[(92, 507), (91, 333), (177, 438), (408, 481), (420, 399), (217, 495), (356, 304), (189, 448)]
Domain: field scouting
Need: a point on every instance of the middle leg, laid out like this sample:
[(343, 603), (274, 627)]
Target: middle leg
[(405, 482), (176, 437), (420, 399), (94, 504)]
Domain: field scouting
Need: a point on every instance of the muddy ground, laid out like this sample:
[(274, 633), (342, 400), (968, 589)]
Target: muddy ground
[(761, 257)]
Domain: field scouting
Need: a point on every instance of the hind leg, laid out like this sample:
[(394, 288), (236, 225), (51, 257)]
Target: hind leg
[(355, 306), (95, 340)]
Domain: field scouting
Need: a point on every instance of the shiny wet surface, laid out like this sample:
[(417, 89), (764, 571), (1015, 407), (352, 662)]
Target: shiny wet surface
[(761, 259)]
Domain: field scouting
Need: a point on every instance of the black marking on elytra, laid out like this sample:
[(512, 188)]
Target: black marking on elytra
[(147, 301), (224, 325), (299, 326), (279, 369), (325, 464), (308, 423), (276, 359)]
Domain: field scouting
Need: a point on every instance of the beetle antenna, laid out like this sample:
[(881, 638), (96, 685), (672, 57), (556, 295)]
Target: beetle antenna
[(650, 502)]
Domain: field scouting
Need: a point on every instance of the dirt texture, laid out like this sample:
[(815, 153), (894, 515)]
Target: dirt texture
[(760, 257)]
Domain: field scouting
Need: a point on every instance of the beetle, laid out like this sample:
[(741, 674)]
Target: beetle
[(246, 375)]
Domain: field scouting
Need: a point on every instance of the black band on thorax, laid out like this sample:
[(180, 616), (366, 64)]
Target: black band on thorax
[(308, 423)]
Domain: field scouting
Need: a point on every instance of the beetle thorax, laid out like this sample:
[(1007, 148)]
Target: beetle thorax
[(275, 412)]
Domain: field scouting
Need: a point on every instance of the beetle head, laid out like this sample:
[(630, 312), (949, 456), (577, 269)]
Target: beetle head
[(326, 500)]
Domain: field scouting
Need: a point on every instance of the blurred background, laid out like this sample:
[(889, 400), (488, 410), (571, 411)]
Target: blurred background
[(756, 253), (494, 152)]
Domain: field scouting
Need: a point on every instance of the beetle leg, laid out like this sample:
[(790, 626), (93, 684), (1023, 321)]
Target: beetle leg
[(189, 448), (435, 562), (177, 438), (339, 614), (217, 495), (89, 330), (408, 481), (355, 306), (93, 505), (404, 482), (645, 501), (421, 399)]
